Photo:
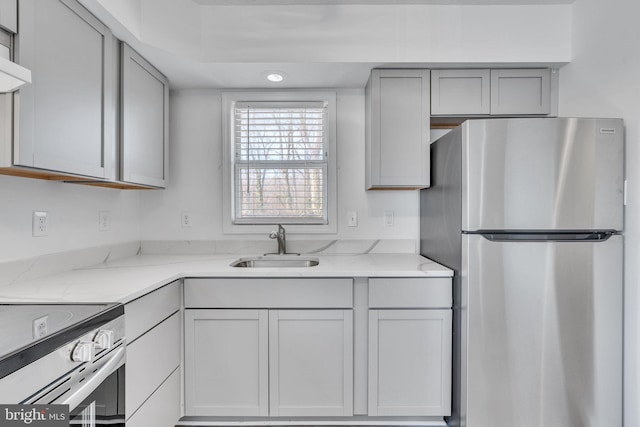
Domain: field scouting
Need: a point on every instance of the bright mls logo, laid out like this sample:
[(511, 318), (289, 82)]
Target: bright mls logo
[(34, 415)]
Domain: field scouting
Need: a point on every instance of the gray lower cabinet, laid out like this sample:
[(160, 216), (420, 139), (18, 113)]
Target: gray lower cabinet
[(226, 362), (66, 117), (311, 362), (409, 362), (294, 356), (410, 339), (268, 362), (397, 129), (153, 324), (494, 92), (291, 356), (144, 121)]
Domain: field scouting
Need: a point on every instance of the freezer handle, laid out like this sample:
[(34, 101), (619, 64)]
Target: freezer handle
[(599, 236)]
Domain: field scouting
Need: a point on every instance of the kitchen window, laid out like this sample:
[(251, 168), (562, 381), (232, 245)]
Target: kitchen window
[(280, 168)]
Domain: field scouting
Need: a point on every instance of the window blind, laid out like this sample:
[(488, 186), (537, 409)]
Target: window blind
[(280, 162)]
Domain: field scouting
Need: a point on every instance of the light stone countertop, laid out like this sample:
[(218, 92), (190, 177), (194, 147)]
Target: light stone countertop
[(129, 278)]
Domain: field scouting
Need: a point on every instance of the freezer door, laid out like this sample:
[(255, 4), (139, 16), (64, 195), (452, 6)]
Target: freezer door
[(542, 174), (542, 323)]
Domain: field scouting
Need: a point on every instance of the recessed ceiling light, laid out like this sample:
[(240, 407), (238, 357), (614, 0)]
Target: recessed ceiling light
[(275, 77)]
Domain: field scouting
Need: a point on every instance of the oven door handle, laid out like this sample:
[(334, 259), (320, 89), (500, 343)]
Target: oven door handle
[(116, 360)]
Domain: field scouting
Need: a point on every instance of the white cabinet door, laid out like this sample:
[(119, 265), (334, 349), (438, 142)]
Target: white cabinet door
[(525, 91), (409, 362), (66, 116), (311, 362), (397, 131), (455, 92), (144, 121), (226, 362)]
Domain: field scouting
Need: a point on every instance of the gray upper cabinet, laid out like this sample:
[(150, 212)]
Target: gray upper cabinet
[(95, 113), (460, 92), (495, 92), (144, 121), (66, 116), (520, 91), (9, 15), (397, 129)]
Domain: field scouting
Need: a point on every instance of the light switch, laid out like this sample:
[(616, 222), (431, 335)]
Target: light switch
[(352, 219), (388, 219)]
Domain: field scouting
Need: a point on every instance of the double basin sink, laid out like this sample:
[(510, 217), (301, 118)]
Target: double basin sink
[(276, 261)]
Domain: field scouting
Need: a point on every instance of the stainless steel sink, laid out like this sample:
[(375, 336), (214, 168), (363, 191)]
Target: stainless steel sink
[(276, 261)]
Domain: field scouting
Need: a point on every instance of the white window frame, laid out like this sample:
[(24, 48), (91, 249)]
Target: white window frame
[(229, 100)]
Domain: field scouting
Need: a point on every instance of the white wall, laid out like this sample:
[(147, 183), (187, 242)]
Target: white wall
[(196, 177), (604, 80), (73, 216)]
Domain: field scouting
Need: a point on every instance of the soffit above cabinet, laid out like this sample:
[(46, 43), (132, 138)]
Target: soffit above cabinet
[(396, 2), (211, 45)]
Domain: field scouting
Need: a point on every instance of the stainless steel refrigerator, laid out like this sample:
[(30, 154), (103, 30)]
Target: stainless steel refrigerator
[(529, 214)]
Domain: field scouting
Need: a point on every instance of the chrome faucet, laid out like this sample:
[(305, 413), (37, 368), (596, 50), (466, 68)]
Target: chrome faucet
[(281, 236)]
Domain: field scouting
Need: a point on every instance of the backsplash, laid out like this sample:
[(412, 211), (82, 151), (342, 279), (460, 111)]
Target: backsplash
[(264, 246), (49, 264), (13, 272)]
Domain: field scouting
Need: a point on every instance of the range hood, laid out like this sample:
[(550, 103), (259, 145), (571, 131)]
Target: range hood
[(12, 75)]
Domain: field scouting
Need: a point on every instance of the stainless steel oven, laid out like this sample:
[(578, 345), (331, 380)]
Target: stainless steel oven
[(65, 354)]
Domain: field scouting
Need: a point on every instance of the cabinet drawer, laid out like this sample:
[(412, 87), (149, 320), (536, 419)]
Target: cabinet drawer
[(269, 293), (150, 360), (410, 292), (147, 311), (163, 407)]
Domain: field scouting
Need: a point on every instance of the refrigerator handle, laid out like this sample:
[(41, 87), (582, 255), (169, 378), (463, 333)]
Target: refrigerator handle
[(598, 236)]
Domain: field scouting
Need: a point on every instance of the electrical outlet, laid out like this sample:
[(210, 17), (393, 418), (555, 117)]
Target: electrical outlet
[(388, 219), (40, 223), (40, 327), (104, 221), (185, 219)]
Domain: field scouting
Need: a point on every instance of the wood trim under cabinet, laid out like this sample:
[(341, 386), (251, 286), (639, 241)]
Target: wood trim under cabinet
[(71, 179)]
